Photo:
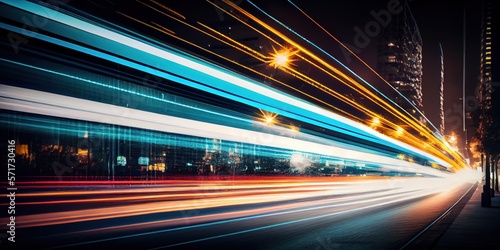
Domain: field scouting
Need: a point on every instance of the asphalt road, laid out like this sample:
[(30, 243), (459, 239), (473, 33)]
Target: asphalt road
[(287, 213)]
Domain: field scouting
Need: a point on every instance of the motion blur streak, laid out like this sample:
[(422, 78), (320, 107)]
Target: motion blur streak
[(354, 85), (196, 70), (235, 200), (25, 100), (361, 60)]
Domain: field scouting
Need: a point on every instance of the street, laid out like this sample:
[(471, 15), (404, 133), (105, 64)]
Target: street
[(243, 213)]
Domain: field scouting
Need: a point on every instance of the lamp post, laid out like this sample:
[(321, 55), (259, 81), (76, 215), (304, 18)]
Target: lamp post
[(486, 194), (495, 173), (492, 187)]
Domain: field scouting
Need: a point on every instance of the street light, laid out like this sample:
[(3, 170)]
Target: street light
[(269, 120), (268, 117), (453, 139), (375, 122), (281, 58), (399, 130)]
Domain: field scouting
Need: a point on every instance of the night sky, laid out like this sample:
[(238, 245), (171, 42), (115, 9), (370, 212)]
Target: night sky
[(443, 22)]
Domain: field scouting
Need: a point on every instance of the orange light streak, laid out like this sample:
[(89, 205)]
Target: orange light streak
[(168, 9), (326, 192), (409, 120), (348, 81)]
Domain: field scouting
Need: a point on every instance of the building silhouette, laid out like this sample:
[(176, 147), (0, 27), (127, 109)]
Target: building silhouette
[(399, 61), (488, 116), (489, 55)]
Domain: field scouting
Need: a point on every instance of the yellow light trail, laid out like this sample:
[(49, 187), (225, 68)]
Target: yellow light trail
[(342, 77), (431, 137), (411, 121), (310, 80), (231, 193), (253, 53), (168, 9), (336, 94)]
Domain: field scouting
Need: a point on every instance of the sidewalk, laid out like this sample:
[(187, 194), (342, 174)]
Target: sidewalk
[(475, 227), (467, 226)]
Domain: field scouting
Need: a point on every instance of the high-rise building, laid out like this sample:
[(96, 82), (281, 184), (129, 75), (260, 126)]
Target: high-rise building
[(489, 94), (489, 54), (488, 115), (399, 61)]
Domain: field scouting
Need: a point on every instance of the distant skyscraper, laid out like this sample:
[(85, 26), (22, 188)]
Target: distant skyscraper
[(489, 53), (489, 94), (441, 93), (399, 60)]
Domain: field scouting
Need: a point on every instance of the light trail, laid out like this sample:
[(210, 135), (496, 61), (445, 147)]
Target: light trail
[(226, 77), (252, 53), (167, 8), (261, 57), (306, 79), (364, 63), (338, 198), (226, 202), (261, 92), (413, 141), (410, 120), (429, 136), (24, 100)]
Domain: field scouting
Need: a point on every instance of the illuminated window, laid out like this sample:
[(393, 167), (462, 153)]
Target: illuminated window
[(488, 58), (391, 58)]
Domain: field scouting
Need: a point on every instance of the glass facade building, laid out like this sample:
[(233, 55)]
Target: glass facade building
[(399, 61)]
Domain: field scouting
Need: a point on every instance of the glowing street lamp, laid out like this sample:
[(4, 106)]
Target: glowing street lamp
[(268, 117), (453, 138), (399, 130), (282, 58), (375, 122), (269, 120)]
